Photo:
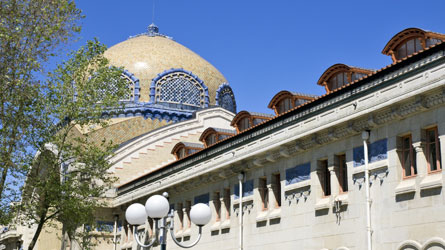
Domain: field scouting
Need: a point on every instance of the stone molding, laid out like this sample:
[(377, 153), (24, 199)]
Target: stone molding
[(425, 246), (394, 100), (166, 133)]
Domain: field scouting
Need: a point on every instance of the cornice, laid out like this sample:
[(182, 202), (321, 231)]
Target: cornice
[(394, 95)]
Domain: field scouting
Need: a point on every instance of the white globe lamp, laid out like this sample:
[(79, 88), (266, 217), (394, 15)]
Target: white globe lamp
[(200, 214), (135, 214), (157, 207)]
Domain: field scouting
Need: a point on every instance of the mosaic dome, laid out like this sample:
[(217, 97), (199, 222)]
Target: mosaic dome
[(149, 55)]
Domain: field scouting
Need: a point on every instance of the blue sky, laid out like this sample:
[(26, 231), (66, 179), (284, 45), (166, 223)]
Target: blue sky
[(263, 47)]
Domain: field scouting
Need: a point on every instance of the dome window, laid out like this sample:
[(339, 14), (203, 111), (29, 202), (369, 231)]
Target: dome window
[(339, 75), (244, 120), (113, 87), (225, 98), (179, 89), (286, 100), (410, 41), (133, 84)]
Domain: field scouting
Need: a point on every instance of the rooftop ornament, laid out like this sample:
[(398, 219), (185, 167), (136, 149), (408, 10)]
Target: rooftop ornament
[(152, 30), (157, 208)]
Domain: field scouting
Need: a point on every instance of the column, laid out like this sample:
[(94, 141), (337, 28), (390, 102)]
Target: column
[(333, 170), (420, 159)]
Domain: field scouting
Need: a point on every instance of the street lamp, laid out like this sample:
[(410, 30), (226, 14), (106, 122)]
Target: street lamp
[(157, 208)]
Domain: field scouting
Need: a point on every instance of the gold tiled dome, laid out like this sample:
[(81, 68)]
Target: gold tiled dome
[(147, 56)]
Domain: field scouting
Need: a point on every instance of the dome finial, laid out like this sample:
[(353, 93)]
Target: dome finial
[(152, 30)]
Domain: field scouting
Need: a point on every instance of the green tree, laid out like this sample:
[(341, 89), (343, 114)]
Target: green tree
[(30, 31), (68, 177)]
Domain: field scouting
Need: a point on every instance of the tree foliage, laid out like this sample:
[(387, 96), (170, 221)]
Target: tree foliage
[(68, 177), (30, 31), (41, 121)]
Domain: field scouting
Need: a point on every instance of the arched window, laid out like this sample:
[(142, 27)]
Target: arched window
[(211, 139), (338, 80), (284, 105), (178, 88), (244, 120), (409, 245), (408, 48), (225, 97), (183, 149), (211, 135), (410, 41), (285, 100), (133, 84), (244, 124), (435, 243), (180, 153), (228, 103), (339, 75)]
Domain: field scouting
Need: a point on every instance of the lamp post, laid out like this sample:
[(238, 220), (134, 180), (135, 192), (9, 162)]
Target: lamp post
[(157, 208)]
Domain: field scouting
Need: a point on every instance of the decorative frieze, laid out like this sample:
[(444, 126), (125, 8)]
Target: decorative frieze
[(285, 152), (297, 194)]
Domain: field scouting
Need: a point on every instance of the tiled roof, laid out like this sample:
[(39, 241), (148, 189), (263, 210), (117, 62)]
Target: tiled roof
[(319, 98)]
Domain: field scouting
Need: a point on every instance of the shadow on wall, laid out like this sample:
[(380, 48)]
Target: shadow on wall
[(431, 192), (405, 197)]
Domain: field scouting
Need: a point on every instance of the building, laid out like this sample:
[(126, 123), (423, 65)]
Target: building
[(302, 170)]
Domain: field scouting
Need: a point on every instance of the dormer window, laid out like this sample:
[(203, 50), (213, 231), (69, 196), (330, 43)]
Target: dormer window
[(410, 41), (339, 75), (338, 80), (284, 105), (286, 100), (211, 136), (244, 120), (431, 41), (183, 149), (408, 48), (243, 124), (356, 76), (181, 153), (210, 140)]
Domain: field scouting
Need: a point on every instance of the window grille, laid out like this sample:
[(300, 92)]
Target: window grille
[(225, 98), (180, 88)]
